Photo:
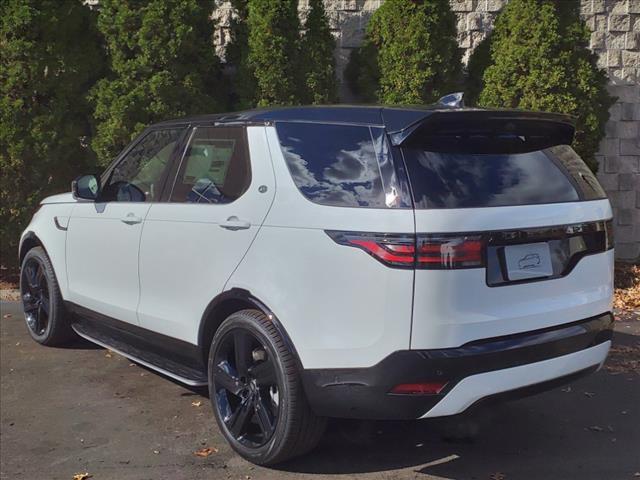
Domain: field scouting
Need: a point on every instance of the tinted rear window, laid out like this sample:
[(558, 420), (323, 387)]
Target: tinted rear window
[(467, 180), (333, 164)]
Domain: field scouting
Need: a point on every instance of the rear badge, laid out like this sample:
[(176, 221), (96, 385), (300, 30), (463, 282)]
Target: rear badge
[(531, 260)]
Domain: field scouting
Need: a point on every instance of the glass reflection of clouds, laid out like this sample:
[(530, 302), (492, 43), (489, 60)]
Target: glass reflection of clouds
[(333, 164)]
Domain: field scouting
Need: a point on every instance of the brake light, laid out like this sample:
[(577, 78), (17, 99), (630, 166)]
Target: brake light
[(450, 251), (445, 251), (392, 250), (430, 388)]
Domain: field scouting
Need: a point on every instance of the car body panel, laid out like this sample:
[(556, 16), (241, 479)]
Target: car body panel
[(102, 257), (186, 257), (452, 307), (349, 310)]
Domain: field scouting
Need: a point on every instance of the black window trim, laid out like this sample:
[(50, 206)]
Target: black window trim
[(106, 174), (181, 151)]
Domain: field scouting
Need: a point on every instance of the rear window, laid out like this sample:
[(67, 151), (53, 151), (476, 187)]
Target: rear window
[(341, 165), (468, 180)]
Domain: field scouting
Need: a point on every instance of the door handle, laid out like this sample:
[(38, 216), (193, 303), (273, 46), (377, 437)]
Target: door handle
[(234, 223), (131, 219)]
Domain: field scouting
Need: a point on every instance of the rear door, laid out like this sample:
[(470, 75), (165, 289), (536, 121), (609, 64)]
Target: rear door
[(190, 245), (513, 232)]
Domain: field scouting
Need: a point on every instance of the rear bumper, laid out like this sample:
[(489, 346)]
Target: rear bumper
[(476, 371)]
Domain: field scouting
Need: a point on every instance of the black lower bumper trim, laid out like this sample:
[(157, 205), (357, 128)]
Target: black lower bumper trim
[(364, 392)]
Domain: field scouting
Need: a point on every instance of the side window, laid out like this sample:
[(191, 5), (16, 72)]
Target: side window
[(339, 165), (138, 176), (215, 167)]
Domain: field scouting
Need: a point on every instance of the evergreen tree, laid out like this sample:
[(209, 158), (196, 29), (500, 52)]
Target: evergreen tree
[(273, 54), (51, 55), (540, 61), (362, 73), (163, 65), (416, 53), (478, 62), (243, 82), (318, 62)]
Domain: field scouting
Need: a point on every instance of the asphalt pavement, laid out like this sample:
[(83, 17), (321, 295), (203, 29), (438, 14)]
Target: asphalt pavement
[(65, 411)]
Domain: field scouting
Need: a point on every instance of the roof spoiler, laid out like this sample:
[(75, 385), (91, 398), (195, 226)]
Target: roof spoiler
[(549, 128)]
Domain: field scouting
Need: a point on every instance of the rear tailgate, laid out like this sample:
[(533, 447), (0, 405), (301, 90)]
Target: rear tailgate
[(456, 306), (514, 229)]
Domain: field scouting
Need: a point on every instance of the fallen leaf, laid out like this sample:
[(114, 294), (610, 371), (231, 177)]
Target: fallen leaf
[(108, 354), (196, 404), (205, 452), (82, 476)]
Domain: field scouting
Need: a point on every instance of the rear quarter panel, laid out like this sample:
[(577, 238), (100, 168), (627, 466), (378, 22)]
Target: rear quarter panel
[(340, 307)]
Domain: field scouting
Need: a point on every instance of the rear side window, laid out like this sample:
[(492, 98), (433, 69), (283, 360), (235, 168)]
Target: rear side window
[(340, 165), (467, 180), (215, 167)]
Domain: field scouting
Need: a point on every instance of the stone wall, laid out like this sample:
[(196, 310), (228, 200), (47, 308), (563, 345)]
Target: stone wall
[(616, 39)]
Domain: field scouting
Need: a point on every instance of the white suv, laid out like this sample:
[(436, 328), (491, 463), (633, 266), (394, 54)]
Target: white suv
[(314, 262)]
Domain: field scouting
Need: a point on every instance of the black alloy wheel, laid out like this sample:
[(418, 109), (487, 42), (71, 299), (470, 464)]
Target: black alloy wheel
[(44, 311), (256, 391), (246, 388), (35, 296)]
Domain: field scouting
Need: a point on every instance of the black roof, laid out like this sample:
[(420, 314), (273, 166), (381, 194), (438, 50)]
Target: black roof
[(353, 114), (397, 120)]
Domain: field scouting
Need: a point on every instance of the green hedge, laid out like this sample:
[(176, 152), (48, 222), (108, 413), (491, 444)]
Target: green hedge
[(273, 53), (50, 57), (410, 54), (316, 52), (163, 65), (540, 60)]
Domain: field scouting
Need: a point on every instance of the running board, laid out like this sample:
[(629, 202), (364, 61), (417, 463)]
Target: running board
[(178, 371)]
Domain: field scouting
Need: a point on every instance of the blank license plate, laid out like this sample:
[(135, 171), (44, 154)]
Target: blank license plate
[(531, 260)]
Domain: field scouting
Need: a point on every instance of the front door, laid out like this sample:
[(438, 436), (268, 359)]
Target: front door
[(103, 237), (191, 245)]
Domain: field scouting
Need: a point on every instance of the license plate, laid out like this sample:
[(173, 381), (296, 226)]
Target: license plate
[(531, 260)]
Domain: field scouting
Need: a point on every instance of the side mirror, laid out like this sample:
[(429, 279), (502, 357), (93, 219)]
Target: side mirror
[(86, 187)]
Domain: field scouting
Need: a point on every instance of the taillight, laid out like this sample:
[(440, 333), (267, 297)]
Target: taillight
[(450, 251), (424, 251), (392, 250)]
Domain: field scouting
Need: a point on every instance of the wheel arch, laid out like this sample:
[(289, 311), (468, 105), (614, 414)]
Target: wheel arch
[(29, 241), (226, 304)]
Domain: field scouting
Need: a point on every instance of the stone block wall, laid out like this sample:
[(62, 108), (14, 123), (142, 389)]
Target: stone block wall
[(615, 26)]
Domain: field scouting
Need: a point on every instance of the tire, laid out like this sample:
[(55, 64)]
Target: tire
[(45, 315), (256, 392)]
